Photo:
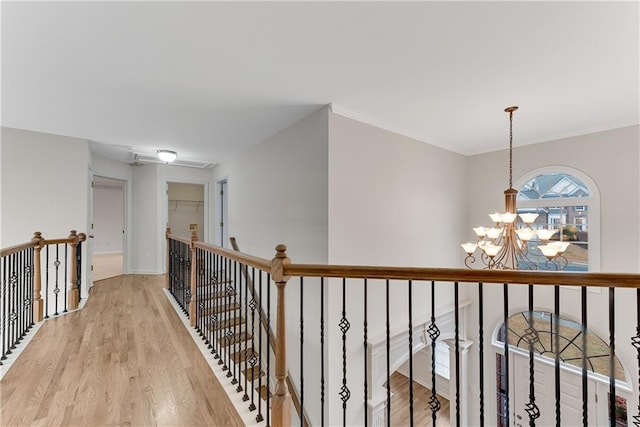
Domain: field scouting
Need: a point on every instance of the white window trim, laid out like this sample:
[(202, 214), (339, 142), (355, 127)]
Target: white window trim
[(592, 203)]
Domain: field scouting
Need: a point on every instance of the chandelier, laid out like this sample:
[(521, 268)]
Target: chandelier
[(511, 245)]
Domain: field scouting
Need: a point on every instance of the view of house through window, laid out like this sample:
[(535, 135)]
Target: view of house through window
[(562, 203)]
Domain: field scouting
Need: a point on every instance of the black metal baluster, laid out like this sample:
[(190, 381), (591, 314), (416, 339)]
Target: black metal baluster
[(200, 295), (268, 348), (505, 291), (388, 344), (223, 317), (259, 416), (585, 382), (31, 288), (185, 275), (301, 352), (214, 316), (79, 270), (322, 351), (236, 336), (66, 278), (481, 348), (4, 308), (612, 357), (13, 283), (21, 293), (344, 325), (253, 359), (26, 303), (227, 318), (56, 264), (212, 303), (531, 337), (366, 350), (410, 289), (434, 333), (556, 351), (19, 300), (635, 341), (245, 274), (456, 301), (46, 284)]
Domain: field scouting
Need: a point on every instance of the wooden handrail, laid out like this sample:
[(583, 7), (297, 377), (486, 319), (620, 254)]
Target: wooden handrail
[(249, 260), (19, 247), (178, 238), (569, 278)]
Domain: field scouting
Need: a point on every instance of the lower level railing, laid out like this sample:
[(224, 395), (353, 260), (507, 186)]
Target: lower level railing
[(473, 347), (40, 278)]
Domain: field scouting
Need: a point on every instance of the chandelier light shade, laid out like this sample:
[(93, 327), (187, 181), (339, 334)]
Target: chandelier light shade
[(167, 156), (511, 244)]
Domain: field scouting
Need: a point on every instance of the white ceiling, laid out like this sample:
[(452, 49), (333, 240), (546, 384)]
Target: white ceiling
[(207, 79)]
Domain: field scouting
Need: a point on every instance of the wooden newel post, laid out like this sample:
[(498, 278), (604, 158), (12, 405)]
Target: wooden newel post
[(73, 295), (281, 402), (166, 235), (193, 302), (38, 306)]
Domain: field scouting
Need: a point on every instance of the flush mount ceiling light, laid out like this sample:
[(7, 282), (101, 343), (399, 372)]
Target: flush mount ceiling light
[(167, 156)]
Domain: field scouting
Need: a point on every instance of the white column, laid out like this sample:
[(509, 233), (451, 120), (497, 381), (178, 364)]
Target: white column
[(377, 407), (464, 383)]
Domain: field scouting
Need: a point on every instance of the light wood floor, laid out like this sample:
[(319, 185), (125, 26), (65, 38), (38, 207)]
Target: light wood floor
[(421, 411), (125, 359), (107, 265)]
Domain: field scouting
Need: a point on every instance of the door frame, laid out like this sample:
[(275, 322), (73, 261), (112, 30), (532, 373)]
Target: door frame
[(204, 236), (125, 216), (128, 203), (221, 214)]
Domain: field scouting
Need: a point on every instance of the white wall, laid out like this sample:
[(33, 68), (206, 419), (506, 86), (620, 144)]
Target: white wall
[(278, 192), (392, 201), (108, 218), (44, 185), (44, 188), (147, 232), (611, 159)]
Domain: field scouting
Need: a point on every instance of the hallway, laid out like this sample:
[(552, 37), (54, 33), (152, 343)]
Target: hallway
[(125, 359)]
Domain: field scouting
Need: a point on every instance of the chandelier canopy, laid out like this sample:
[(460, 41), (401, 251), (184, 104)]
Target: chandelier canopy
[(511, 244)]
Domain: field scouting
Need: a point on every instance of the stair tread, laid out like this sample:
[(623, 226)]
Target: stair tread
[(241, 356), (220, 308), (235, 339), (216, 326), (262, 391), (253, 373), (216, 295)]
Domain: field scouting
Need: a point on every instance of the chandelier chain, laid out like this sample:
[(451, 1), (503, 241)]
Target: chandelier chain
[(511, 149)]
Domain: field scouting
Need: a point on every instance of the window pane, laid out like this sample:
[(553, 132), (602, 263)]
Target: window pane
[(553, 185)]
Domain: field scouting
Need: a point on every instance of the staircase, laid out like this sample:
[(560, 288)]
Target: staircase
[(227, 319)]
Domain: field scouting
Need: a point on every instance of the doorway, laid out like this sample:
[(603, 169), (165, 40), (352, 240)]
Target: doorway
[(570, 394), (186, 209), (108, 227)]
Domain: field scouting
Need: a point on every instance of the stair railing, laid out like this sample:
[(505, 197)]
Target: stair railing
[(216, 279), (40, 278), (263, 320), (365, 396)]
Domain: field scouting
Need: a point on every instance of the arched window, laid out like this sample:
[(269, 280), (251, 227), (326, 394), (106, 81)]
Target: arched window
[(567, 200), (541, 326)]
